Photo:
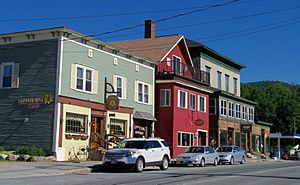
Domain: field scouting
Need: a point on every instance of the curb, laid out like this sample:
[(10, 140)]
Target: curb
[(78, 171)]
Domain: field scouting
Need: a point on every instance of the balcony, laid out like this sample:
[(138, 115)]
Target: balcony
[(169, 69)]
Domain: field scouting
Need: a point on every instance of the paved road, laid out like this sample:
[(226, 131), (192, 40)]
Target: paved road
[(277, 173)]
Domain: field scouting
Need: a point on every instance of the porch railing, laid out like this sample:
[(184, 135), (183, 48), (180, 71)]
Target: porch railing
[(177, 68)]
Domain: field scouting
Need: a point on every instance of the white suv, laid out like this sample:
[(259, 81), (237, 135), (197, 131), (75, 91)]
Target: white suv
[(138, 153)]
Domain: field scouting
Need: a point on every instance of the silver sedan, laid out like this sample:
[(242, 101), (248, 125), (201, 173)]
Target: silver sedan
[(198, 156), (231, 154)]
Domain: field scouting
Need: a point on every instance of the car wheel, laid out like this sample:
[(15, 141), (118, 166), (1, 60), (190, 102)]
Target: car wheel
[(216, 162), (139, 165), (164, 164), (231, 161), (243, 160), (202, 162)]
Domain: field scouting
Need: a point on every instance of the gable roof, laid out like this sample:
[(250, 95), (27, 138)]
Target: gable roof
[(152, 48)]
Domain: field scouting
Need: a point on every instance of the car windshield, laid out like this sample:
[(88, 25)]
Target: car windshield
[(195, 150), (224, 149), (132, 144)]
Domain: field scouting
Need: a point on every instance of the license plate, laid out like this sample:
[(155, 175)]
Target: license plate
[(113, 162)]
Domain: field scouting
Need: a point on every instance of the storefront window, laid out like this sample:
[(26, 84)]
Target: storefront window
[(237, 139), (185, 139), (118, 127), (76, 123), (223, 137)]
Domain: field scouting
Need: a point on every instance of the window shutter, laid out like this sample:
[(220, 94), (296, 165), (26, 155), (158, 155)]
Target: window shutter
[(73, 76), (124, 88), (150, 94), (178, 99), (1, 78), (95, 82), (135, 90), (15, 77), (114, 82)]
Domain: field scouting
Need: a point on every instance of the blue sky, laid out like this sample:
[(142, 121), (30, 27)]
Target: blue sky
[(270, 52)]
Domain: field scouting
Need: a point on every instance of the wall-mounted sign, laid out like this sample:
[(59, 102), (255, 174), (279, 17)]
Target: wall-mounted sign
[(112, 102), (246, 128), (199, 122), (139, 131), (33, 102)]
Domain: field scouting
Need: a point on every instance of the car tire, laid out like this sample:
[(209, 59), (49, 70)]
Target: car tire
[(216, 162), (202, 162), (243, 160), (139, 165), (231, 161), (164, 164)]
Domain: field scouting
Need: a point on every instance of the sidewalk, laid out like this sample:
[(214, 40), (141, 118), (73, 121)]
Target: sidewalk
[(32, 169)]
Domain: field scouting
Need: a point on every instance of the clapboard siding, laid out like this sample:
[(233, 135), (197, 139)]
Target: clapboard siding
[(37, 78)]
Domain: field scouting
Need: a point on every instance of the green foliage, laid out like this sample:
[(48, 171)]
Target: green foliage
[(32, 151), (278, 103), (2, 149)]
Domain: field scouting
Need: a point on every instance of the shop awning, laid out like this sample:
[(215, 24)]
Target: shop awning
[(285, 136), (143, 115)]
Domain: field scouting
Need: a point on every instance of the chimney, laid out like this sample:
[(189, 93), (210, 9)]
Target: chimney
[(149, 29)]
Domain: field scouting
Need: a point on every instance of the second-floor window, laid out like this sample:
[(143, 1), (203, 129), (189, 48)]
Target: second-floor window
[(143, 92), (182, 99), (223, 110), (192, 102), (9, 75), (219, 81), (202, 103), (244, 113), (165, 95), (84, 78), (120, 85), (212, 106), (235, 86), (231, 110), (227, 83), (251, 114), (238, 111)]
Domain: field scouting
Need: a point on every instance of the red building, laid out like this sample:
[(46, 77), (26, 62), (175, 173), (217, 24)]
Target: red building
[(181, 91)]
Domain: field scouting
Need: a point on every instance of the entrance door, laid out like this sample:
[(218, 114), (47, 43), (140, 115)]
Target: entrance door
[(201, 138), (97, 137)]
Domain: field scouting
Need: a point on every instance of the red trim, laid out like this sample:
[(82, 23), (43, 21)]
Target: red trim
[(92, 105), (60, 126)]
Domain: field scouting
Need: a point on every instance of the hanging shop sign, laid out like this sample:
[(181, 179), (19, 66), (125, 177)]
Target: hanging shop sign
[(112, 102), (34, 102), (246, 128)]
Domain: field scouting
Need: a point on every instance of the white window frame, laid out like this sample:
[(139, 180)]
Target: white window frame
[(195, 102), (199, 103), (163, 94), (84, 78), (231, 109), (251, 114), (143, 92), (244, 113), (122, 86), (237, 111), (12, 64), (191, 139), (186, 99), (223, 108), (180, 67)]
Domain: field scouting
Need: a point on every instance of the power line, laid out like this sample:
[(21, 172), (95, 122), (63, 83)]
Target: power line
[(107, 15), (212, 22)]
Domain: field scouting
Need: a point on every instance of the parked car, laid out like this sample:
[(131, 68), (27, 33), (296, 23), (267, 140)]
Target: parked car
[(138, 153), (198, 155), (231, 154)]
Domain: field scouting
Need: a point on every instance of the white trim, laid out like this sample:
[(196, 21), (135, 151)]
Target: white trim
[(57, 110), (171, 49), (114, 55), (193, 135), (186, 99), (84, 78), (153, 96), (233, 108), (122, 83), (204, 99), (144, 83), (220, 105), (165, 90), (206, 136)]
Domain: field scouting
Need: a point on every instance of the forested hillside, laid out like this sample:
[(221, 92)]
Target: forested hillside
[(278, 103)]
